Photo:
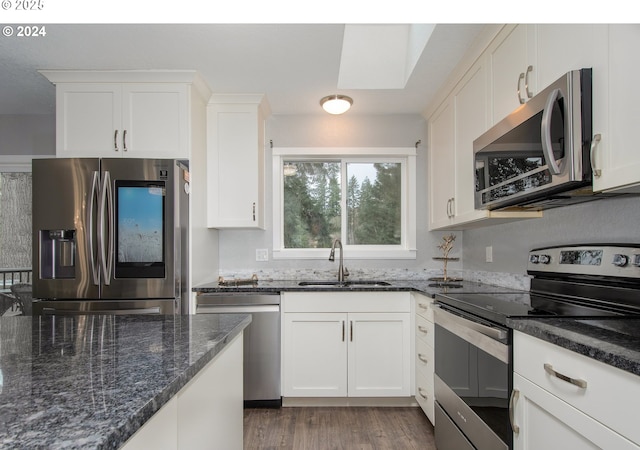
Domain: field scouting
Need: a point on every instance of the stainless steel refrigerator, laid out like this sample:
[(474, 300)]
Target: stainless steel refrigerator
[(110, 234)]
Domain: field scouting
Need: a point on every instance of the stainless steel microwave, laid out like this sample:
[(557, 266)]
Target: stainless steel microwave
[(539, 156)]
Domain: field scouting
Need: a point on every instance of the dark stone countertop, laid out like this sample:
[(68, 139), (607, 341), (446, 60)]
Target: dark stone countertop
[(612, 341), (90, 382), (277, 286)]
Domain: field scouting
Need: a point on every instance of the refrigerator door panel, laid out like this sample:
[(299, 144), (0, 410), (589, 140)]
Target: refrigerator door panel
[(139, 226), (65, 202)]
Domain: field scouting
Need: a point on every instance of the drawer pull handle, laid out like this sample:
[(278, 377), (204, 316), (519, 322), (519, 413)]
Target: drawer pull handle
[(575, 381), (423, 358), (422, 394), (422, 306), (423, 329), (515, 394)]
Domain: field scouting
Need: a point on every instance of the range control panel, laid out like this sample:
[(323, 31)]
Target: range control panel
[(602, 260)]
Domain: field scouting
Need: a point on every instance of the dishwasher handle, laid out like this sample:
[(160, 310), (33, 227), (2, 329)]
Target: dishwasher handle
[(239, 309)]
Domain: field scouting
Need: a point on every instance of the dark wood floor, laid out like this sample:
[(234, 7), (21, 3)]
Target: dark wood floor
[(335, 428)]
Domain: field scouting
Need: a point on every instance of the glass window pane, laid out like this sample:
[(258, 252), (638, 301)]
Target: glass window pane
[(374, 200), (311, 203), (15, 220)]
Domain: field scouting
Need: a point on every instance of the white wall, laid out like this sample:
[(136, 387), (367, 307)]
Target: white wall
[(27, 134), (237, 247), (614, 220)]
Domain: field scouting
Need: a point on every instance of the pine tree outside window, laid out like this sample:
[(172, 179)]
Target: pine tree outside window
[(367, 201)]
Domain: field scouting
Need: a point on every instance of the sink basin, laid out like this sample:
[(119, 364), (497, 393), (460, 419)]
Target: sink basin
[(354, 283)]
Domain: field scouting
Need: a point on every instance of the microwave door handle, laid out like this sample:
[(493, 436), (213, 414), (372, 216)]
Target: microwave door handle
[(94, 197), (545, 133)]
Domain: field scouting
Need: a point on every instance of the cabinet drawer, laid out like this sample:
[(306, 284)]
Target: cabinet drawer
[(424, 330), (425, 394), (425, 358), (609, 395), (424, 307)]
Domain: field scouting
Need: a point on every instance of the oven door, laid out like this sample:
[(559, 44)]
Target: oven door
[(472, 380)]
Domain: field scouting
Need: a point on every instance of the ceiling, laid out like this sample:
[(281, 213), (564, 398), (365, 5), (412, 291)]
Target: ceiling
[(293, 64)]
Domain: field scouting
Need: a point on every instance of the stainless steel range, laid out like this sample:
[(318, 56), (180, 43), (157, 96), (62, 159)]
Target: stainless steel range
[(473, 380)]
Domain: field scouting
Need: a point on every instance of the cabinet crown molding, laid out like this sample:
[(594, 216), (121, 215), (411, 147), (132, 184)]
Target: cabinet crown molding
[(242, 99), (192, 77)]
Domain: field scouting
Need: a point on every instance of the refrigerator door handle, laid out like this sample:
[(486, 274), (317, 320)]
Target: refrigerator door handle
[(106, 233), (94, 198)]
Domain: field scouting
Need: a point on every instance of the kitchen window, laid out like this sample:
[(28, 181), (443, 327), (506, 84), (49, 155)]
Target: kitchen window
[(15, 213), (364, 197)]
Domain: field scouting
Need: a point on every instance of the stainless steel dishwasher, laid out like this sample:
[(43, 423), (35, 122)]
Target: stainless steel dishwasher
[(261, 342)]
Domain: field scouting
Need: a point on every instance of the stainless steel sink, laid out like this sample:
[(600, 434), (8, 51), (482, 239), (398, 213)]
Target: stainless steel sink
[(354, 283)]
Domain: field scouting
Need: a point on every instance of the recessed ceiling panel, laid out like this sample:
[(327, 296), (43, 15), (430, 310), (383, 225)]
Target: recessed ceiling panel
[(381, 56)]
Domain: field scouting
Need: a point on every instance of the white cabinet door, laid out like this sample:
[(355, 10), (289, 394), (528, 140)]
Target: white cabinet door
[(561, 48), (155, 120), (544, 421), (617, 155), (235, 162), (88, 118), (442, 170), (509, 60), (470, 122), (379, 354), (314, 355), (144, 120)]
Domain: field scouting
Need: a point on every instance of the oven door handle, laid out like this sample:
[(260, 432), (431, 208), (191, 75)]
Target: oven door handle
[(482, 336)]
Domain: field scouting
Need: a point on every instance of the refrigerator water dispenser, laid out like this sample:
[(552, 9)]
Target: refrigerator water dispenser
[(57, 254)]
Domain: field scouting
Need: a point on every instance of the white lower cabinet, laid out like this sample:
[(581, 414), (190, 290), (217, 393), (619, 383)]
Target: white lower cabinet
[(353, 344), (207, 413), (562, 399), (424, 354)]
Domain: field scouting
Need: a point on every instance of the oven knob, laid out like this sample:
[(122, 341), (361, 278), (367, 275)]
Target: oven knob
[(533, 259), (544, 259), (620, 260), (636, 261)]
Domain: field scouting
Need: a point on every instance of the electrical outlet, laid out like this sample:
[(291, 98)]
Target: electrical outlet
[(262, 254), (488, 253)]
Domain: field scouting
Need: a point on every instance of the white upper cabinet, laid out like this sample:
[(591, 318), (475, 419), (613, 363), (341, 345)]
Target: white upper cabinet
[(516, 63), (616, 112), (143, 114), (235, 161), (511, 70), (453, 127), (524, 59), (441, 165)]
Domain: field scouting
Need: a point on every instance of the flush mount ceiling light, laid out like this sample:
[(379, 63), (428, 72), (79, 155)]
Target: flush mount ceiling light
[(336, 104)]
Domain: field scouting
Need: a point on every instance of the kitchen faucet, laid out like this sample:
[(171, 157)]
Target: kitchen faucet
[(342, 271)]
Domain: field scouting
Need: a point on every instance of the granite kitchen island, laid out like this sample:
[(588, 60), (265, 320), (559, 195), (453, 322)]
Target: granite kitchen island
[(94, 381)]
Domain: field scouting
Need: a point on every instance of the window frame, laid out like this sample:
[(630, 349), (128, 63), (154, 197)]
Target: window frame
[(404, 155)]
